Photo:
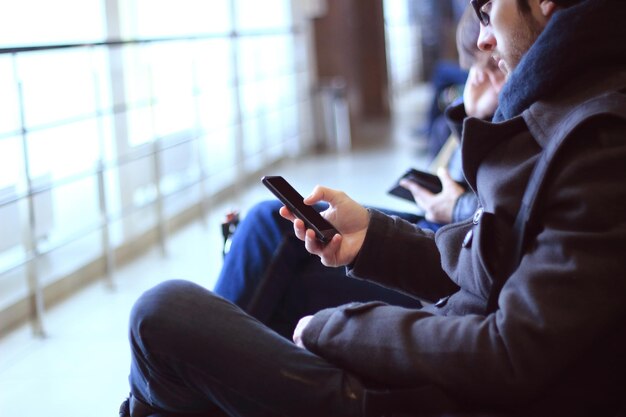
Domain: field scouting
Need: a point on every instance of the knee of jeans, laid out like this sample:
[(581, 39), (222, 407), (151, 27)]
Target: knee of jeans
[(158, 306)]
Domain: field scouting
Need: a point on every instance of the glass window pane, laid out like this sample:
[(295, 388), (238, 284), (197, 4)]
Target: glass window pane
[(219, 150), (132, 225), (66, 212), (277, 54), (70, 257), (108, 147), (101, 69), (174, 114), (253, 138), (87, 104), (275, 128), (259, 15), (134, 64), (222, 179), (12, 165), (9, 104), (249, 57), (12, 215), (251, 99), (217, 108), (183, 17), (178, 202), (172, 85), (140, 123), (179, 166), (290, 118), (137, 183), (64, 90), (27, 22), (137, 193), (213, 63), (65, 150)]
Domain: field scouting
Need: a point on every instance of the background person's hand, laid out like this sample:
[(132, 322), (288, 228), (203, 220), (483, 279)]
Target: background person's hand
[(480, 95), (437, 207), (349, 218)]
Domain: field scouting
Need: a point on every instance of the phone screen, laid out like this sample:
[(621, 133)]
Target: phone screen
[(294, 202)]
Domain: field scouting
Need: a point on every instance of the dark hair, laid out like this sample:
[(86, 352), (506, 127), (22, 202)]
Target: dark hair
[(467, 32)]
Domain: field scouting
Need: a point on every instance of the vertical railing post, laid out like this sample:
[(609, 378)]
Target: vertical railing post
[(198, 137), (156, 166), (36, 297), (105, 238), (239, 135)]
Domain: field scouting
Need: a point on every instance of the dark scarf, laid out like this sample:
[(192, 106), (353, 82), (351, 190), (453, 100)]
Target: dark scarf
[(577, 39)]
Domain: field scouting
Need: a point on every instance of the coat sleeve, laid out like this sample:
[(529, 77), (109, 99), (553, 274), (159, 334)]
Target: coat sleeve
[(561, 314), (394, 250)]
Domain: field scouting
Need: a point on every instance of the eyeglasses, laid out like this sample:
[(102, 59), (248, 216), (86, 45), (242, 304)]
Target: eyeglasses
[(482, 7)]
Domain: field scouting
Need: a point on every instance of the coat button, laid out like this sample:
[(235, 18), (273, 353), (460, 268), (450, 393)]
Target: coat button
[(477, 215), (467, 240)]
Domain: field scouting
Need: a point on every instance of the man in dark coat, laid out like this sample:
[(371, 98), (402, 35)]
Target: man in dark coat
[(552, 340)]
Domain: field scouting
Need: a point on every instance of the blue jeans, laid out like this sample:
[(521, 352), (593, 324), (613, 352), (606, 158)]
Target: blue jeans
[(194, 352), (270, 275)]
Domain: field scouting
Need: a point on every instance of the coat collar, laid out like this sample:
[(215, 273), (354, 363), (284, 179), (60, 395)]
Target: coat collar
[(481, 137)]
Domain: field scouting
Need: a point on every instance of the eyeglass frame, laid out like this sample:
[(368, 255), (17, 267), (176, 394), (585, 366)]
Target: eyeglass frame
[(482, 16)]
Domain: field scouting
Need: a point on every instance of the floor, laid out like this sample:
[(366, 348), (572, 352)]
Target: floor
[(80, 368)]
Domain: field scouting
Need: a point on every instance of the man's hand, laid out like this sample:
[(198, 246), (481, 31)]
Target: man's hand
[(437, 207), (349, 218), (297, 333)]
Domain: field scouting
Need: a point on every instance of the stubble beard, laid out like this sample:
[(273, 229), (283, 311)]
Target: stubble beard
[(521, 42)]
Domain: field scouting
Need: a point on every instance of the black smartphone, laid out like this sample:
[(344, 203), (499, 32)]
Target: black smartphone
[(429, 181), (324, 231)]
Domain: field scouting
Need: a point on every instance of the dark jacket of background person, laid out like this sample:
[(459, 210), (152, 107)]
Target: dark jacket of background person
[(556, 344)]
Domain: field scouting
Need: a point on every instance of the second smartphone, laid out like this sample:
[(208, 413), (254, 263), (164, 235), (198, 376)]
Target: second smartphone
[(429, 181)]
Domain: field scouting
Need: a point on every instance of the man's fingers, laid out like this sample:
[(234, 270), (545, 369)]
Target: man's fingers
[(299, 229), (311, 243), (316, 195), (329, 252), (284, 212), (320, 193)]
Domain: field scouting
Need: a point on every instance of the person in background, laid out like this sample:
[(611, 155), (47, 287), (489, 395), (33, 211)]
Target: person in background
[(551, 341), (479, 99)]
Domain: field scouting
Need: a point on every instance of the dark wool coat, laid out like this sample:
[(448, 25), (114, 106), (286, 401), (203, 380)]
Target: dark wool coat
[(556, 345)]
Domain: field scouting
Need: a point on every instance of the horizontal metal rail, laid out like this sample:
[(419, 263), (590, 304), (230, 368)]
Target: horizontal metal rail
[(124, 42)]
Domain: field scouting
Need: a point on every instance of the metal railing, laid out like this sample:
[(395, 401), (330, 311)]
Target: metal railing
[(154, 152)]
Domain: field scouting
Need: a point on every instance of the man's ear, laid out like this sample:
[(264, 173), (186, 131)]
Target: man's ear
[(547, 7)]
